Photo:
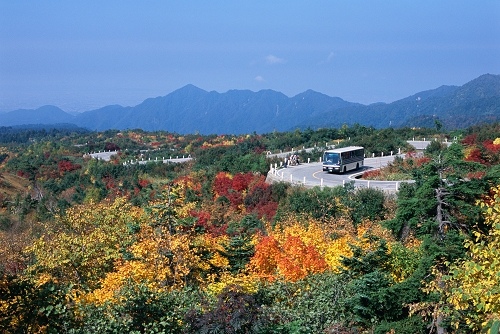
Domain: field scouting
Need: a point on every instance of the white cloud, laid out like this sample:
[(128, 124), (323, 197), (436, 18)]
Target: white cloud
[(259, 78), (271, 60), (328, 59)]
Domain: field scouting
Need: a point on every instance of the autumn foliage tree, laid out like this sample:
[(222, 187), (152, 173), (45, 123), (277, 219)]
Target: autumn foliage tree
[(158, 259), (472, 288), (294, 251), (81, 247), (211, 246)]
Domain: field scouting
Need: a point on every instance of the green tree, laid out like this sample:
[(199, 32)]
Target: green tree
[(26, 307), (235, 312), (442, 197), (318, 203), (311, 305), (367, 203), (438, 124), (472, 288), (142, 311)]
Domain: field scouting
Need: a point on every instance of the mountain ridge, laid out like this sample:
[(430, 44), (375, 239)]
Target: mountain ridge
[(191, 109)]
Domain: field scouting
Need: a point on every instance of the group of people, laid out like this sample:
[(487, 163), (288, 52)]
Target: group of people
[(293, 160)]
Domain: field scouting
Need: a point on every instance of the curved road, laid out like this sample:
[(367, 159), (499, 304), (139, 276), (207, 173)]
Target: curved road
[(106, 156), (312, 174)]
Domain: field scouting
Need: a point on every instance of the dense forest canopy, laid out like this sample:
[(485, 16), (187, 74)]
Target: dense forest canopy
[(208, 246)]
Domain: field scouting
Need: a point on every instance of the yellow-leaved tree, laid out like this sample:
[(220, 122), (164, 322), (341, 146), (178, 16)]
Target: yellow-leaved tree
[(83, 245), (473, 285), (158, 259), (470, 288), (164, 256)]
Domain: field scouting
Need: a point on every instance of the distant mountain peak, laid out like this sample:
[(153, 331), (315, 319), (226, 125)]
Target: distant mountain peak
[(487, 76), (190, 88), (484, 86), (49, 107), (191, 109)]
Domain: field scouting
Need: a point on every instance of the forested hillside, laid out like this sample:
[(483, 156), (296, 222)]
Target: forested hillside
[(207, 246), (475, 102), (194, 110)]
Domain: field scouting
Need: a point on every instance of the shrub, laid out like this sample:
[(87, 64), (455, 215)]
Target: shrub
[(235, 312)]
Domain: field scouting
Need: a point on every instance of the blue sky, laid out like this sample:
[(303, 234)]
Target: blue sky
[(81, 55)]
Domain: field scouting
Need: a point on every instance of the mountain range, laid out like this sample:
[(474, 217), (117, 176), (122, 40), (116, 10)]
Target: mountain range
[(194, 110)]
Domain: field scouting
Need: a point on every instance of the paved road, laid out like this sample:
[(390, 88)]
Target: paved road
[(106, 156), (418, 144), (283, 155), (312, 175), (165, 161)]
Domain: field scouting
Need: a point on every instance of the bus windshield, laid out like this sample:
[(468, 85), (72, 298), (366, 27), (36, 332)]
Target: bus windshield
[(332, 158)]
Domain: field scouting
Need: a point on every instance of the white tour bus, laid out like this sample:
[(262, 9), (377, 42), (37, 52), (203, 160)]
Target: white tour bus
[(343, 159)]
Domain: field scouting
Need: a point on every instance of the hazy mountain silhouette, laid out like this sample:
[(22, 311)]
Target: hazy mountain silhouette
[(191, 109)]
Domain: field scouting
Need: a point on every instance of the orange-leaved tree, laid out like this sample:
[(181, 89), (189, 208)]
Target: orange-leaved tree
[(291, 253), (294, 250)]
